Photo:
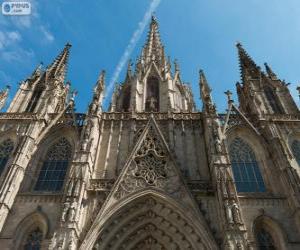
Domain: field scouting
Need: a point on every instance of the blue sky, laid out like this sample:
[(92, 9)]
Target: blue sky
[(199, 33)]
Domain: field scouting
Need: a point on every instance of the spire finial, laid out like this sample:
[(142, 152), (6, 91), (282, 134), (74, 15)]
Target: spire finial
[(247, 65), (59, 66), (176, 66), (152, 50), (228, 93)]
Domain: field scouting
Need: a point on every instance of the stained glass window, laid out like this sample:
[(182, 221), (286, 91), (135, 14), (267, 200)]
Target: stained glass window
[(264, 240), (245, 168), (54, 168), (6, 148), (296, 150), (34, 240)]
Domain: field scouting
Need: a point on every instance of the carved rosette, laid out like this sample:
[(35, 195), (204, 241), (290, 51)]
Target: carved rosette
[(150, 167)]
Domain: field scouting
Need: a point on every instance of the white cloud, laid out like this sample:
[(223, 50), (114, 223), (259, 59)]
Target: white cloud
[(17, 55), (47, 34), (9, 38)]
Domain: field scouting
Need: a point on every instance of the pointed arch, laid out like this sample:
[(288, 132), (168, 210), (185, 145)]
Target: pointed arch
[(6, 148), (126, 98), (152, 219), (295, 146), (35, 97), (31, 231), (55, 164), (268, 234), (245, 167)]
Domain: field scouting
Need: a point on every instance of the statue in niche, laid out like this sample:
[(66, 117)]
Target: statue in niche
[(152, 94)]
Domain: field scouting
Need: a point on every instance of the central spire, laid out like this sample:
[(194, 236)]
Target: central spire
[(153, 49)]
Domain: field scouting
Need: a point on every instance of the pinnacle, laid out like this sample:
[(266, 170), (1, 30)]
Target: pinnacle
[(246, 63), (59, 65)]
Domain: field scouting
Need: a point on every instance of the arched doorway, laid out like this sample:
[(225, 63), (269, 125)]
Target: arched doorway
[(153, 221)]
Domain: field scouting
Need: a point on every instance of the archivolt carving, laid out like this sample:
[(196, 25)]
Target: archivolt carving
[(149, 224)]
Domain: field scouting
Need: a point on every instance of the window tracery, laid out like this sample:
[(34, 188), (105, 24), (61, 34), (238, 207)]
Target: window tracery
[(54, 168), (264, 240), (245, 168), (34, 240)]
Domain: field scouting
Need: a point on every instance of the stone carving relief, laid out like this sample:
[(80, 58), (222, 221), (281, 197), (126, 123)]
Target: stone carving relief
[(150, 167), (149, 223)]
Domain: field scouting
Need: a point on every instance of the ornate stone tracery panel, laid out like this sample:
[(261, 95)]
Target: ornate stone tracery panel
[(150, 167)]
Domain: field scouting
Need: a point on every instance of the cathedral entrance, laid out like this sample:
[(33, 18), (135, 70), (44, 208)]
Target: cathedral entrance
[(151, 222)]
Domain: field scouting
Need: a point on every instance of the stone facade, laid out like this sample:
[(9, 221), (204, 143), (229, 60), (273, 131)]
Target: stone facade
[(152, 172)]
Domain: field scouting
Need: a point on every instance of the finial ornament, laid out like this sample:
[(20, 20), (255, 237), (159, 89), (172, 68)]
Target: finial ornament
[(229, 94), (176, 65)]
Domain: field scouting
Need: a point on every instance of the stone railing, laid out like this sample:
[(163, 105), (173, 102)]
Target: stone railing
[(282, 117), (146, 115), (18, 116)]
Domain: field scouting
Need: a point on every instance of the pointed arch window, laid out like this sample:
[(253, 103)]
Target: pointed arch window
[(245, 168), (34, 240), (126, 98), (296, 150), (273, 100), (34, 99), (54, 168), (6, 148), (152, 94), (264, 240)]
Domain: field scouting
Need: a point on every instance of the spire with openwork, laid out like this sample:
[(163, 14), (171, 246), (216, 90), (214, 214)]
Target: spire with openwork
[(58, 69), (247, 66), (153, 49)]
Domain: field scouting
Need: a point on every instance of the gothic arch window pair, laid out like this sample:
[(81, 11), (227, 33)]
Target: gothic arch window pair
[(245, 167), (296, 150), (6, 148), (152, 94), (54, 166)]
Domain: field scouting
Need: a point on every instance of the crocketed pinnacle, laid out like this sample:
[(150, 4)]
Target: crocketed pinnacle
[(153, 49), (59, 66), (247, 65)]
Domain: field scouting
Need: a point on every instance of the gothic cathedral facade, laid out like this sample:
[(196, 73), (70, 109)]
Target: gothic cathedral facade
[(152, 172)]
